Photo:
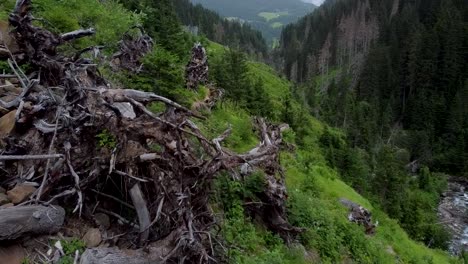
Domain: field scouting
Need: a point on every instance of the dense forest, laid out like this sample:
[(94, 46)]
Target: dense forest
[(355, 129), (221, 30), (393, 75)]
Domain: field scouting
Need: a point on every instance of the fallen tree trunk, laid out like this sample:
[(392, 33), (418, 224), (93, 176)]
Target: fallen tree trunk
[(21, 221), (116, 256)]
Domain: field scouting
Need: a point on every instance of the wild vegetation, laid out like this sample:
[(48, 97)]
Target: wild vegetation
[(317, 158), (392, 75)]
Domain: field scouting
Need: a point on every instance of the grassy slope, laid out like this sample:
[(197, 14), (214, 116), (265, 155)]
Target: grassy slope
[(308, 167)]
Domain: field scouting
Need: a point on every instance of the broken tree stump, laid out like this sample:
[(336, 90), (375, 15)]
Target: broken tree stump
[(20, 221)]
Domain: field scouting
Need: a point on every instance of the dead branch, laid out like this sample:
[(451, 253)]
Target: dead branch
[(7, 76), (122, 219), (142, 212), (80, 33), (45, 178), (114, 198), (32, 157), (121, 173)]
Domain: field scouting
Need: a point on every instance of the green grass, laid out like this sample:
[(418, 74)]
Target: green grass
[(314, 190), (228, 114), (268, 16), (5, 8), (275, 86), (324, 80), (309, 180), (276, 25), (214, 49), (319, 187)]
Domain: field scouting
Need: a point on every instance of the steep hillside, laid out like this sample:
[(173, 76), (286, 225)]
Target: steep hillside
[(392, 75), (267, 16), (314, 191)]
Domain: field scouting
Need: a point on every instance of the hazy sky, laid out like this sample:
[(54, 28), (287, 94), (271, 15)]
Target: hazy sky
[(315, 2)]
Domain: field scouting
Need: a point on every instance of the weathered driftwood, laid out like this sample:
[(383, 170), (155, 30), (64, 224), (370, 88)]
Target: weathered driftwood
[(20, 221)]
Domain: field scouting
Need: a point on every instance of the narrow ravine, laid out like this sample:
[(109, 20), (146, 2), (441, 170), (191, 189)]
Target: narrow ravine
[(453, 212)]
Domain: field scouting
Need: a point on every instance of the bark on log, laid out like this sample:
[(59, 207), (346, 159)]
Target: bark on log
[(116, 256), (20, 221)]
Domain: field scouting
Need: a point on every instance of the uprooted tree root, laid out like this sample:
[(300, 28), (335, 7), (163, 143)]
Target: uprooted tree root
[(74, 138)]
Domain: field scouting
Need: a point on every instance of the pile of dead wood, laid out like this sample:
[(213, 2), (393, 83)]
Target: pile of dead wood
[(360, 215), (196, 71), (68, 139)]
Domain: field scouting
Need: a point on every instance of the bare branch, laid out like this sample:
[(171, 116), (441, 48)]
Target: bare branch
[(32, 157), (114, 198), (142, 212), (80, 33)]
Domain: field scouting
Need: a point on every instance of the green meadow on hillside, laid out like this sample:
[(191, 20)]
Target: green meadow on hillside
[(272, 15)]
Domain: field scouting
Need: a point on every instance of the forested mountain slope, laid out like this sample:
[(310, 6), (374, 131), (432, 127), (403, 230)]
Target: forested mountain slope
[(231, 33), (407, 59), (268, 16), (393, 75)]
